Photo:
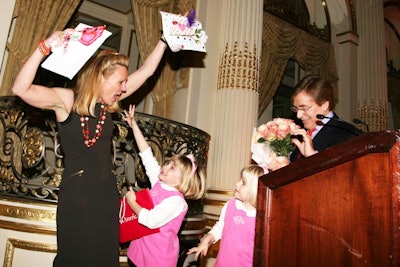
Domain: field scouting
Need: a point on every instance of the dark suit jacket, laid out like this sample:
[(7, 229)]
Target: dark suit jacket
[(332, 133)]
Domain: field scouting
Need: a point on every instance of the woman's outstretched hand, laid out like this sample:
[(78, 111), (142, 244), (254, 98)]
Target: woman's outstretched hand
[(58, 38)]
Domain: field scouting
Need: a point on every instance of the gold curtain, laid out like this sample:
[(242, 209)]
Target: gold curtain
[(34, 20), (282, 41), (148, 27)]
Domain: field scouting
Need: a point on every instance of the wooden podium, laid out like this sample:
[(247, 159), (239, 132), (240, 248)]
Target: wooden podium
[(340, 207)]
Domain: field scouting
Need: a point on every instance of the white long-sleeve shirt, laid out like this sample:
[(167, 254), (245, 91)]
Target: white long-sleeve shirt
[(170, 207)]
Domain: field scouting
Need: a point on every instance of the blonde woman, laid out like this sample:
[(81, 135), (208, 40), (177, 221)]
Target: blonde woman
[(88, 201)]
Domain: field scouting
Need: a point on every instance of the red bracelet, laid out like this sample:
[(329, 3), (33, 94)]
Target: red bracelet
[(43, 48)]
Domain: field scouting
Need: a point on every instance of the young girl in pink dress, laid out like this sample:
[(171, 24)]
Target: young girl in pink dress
[(176, 180), (236, 225)]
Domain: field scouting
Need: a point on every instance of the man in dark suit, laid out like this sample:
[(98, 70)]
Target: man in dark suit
[(312, 97)]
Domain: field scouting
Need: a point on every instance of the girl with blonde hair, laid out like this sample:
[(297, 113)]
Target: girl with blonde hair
[(178, 179), (236, 225)]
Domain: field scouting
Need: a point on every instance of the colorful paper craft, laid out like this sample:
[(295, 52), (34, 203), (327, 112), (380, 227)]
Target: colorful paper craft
[(68, 59), (181, 34)]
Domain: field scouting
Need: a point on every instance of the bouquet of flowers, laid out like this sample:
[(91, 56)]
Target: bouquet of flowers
[(272, 144)]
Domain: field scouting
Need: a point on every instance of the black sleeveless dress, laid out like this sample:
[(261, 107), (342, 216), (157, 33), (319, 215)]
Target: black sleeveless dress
[(88, 200)]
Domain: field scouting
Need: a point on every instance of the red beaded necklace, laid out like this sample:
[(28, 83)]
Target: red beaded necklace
[(99, 127)]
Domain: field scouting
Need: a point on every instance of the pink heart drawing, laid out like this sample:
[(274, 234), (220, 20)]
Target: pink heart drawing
[(89, 35), (182, 27)]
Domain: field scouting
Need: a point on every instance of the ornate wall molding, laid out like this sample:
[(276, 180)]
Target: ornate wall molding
[(13, 244), (28, 213)]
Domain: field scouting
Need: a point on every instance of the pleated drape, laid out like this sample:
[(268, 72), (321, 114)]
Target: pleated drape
[(34, 20), (283, 41)]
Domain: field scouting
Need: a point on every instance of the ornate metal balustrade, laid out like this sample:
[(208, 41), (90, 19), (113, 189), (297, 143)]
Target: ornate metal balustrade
[(31, 161)]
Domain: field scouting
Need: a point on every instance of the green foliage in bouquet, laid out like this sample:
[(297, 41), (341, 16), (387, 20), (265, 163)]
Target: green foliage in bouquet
[(281, 147)]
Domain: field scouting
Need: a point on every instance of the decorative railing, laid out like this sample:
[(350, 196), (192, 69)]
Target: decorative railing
[(31, 162)]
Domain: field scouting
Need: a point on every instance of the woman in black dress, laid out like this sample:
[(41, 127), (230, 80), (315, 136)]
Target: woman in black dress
[(87, 213)]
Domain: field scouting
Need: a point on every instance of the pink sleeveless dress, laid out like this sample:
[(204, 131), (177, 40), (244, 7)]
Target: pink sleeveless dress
[(237, 242), (159, 249)]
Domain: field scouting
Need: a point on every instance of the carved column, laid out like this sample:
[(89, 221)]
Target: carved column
[(236, 99), (372, 82), (346, 57)]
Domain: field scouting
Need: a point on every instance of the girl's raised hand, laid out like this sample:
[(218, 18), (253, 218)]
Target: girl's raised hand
[(129, 116)]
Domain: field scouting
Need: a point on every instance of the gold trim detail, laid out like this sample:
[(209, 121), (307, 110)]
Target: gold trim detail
[(123, 130), (239, 69), (374, 113), (30, 214), (33, 147), (28, 202), (221, 192), (213, 202), (12, 244), (210, 201), (28, 228)]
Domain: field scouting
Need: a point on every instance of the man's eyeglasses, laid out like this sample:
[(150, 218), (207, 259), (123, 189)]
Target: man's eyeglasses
[(302, 108)]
